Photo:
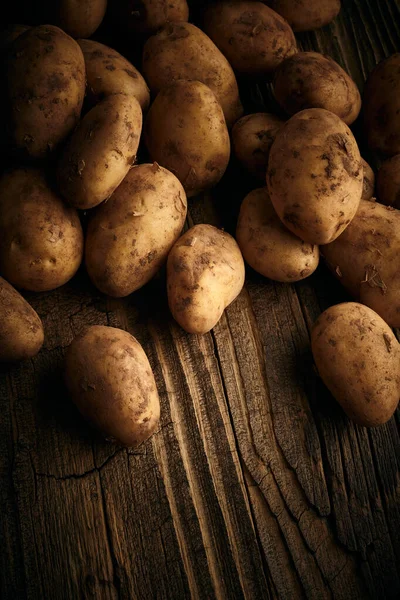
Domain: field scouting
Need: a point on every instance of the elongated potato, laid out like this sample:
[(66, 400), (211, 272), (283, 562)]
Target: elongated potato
[(368, 182), (358, 358), (21, 330), (306, 15), (130, 235), (388, 182), (111, 382), (144, 17), (101, 151)]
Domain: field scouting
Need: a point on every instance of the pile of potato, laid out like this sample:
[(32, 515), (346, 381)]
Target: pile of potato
[(76, 116)]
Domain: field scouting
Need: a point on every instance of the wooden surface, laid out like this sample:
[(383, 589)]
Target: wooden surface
[(255, 485)]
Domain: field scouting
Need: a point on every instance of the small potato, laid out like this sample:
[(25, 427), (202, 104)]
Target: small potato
[(101, 151), (21, 330), (388, 182), (205, 273), (358, 358), (78, 18), (268, 246), (368, 182), (315, 176), (145, 17), (130, 235), (306, 15), (312, 80), (41, 238), (252, 138), (254, 38), (107, 72), (185, 132), (111, 382)]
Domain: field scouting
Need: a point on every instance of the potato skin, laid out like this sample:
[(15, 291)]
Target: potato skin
[(268, 246), (205, 273), (315, 175), (193, 142), (368, 182), (129, 236), (78, 18), (365, 259), (110, 380), (254, 38), (108, 72), (21, 330), (145, 17), (306, 15), (388, 182), (312, 80), (45, 87), (101, 151), (358, 358), (42, 239)]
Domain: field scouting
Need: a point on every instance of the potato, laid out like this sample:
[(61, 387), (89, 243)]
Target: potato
[(78, 18), (110, 380), (11, 33), (182, 51), (368, 182), (312, 80), (41, 238), (315, 176), (365, 259), (44, 90), (101, 151), (130, 235), (252, 138), (21, 330), (205, 273), (145, 17), (254, 38), (193, 141), (107, 72), (381, 103), (388, 182), (268, 246), (358, 358), (306, 15)]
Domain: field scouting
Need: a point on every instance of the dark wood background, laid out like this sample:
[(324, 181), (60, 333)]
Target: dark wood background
[(255, 485)]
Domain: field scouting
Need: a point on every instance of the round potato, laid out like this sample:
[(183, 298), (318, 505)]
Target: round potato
[(130, 235), (268, 246), (111, 382), (205, 273), (101, 151), (182, 51), (145, 17), (306, 15), (44, 90), (107, 72), (358, 358), (388, 182), (193, 142), (252, 138), (315, 176), (254, 38), (78, 18), (41, 238), (368, 182), (21, 330), (312, 80)]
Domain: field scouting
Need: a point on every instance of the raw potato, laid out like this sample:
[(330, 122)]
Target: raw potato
[(254, 38), (145, 17), (193, 142), (252, 138), (306, 15), (205, 273), (388, 182), (111, 382), (129, 236), (381, 104), (78, 18), (315, 176), (368, 182), (365, 259), (358, 358), (312, 80), (21, 330), (44, 89), (182, 51), (41, 238), (101, 151), (268, 246), (107, 72)]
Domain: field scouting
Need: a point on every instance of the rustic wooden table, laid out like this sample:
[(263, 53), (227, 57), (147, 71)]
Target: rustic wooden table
[(255, 485)]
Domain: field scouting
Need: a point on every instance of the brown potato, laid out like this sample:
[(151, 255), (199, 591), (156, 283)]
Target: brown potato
[(78, 18), (111, 382), (193, 142), (205, 273), (145, 17), (315, 176), (268, 246), (358, 358), (21, 330), (306, 15), (182, 51), (388, 182), (312, 80), (368, 182), (41, 238)]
